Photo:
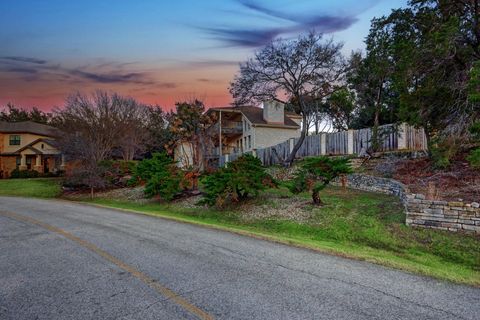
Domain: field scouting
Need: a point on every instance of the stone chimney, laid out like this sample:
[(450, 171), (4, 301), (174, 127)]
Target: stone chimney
[(273, 112)]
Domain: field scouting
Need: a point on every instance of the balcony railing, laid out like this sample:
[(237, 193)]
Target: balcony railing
[(229, 127)]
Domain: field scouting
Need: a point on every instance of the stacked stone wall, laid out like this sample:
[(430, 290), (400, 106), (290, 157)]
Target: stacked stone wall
[(421, 212)]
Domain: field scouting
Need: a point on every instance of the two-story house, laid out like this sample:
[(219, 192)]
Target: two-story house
[(28, 146), (238, 130)]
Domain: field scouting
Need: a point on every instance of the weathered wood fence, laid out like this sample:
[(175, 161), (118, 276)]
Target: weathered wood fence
[(391, 138)]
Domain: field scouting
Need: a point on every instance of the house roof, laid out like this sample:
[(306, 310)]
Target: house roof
[(255, 116), (27, 127)]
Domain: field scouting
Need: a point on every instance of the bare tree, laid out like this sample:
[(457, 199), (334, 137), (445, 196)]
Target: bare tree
[(92, 127), (89, 126), (132, 119), (293, 70)]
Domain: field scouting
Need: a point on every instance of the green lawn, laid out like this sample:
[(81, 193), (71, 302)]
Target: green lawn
[(353, 224), (36, 187)]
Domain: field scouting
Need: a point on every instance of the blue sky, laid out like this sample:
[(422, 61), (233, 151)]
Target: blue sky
[(156, 51)]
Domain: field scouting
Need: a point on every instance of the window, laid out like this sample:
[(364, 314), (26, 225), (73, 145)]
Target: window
[(14, 140), (249, 142)]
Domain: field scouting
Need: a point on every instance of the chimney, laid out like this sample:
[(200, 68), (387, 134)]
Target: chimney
[(273, 112)]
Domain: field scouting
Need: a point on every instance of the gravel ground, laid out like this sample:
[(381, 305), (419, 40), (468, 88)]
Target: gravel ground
[(136, 194), (266, 206)]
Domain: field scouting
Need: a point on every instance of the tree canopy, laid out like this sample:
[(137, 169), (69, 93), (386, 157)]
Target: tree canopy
[(308, 67)]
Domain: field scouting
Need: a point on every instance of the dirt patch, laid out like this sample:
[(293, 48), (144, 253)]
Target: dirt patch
[(460, 181)]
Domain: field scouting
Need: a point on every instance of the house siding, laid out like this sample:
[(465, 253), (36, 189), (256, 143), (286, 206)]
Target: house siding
[(25, 139), (7, 165)]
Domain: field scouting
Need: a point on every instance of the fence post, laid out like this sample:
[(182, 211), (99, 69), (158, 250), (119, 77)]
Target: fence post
[(402, 136), (323, 143), (227, 158), (350, 141)]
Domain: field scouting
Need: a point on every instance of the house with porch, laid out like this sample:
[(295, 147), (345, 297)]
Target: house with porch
[(28, 146), (244, 129)]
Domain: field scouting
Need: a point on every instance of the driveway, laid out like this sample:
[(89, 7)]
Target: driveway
[(61, 260)]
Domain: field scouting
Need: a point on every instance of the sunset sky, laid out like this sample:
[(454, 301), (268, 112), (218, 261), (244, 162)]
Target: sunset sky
[(156, 51)]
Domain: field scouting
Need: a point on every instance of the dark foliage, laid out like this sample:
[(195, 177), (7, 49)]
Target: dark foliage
[(11, 113), (316, 173), (240, 179), (118, 173), (162, 176)]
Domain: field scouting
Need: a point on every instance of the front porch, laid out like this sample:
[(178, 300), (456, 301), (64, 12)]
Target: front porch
[(42, 163)]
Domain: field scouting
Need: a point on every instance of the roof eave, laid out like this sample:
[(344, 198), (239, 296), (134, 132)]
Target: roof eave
[(275, 126)]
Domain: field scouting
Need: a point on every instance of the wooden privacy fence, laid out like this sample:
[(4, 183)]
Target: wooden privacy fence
[(391, 138)]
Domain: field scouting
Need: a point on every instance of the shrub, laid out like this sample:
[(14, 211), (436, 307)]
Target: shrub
[(162, 176), (240, 179), (117, 172), (442, 151), (475, 130), (24, 174), (474, 158), (316, 173)]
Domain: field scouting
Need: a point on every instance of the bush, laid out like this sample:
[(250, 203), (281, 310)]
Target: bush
[(162, 176), (475, 130), (443, 151), (240, 179), (474, 158), (24, 174), (114, 172), (316, 173)]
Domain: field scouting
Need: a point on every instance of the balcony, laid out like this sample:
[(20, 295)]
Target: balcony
[(229, 127)]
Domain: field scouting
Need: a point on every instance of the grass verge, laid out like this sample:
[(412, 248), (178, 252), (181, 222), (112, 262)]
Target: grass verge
[(35, 187)]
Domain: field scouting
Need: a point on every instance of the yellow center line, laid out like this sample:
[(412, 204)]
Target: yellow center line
[(132, 270)]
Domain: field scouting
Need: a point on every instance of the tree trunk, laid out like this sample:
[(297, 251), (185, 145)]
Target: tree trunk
[(376, 121), (299, 143), (91, 193), (316, 198)]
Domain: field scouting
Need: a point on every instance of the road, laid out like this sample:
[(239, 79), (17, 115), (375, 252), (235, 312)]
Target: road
[(61, 260)]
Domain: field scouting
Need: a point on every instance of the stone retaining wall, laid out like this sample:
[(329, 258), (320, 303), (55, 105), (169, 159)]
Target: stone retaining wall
[(420, 212), (374, 184), (451, 216)]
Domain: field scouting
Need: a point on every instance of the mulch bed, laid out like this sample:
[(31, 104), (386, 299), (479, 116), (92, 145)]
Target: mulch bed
[(459, 181)]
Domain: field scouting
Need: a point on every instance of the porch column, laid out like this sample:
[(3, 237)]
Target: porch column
[(23, 162), (62, 164), (38, 163)]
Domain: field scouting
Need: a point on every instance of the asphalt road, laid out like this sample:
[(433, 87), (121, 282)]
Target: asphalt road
[(62, 260)]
